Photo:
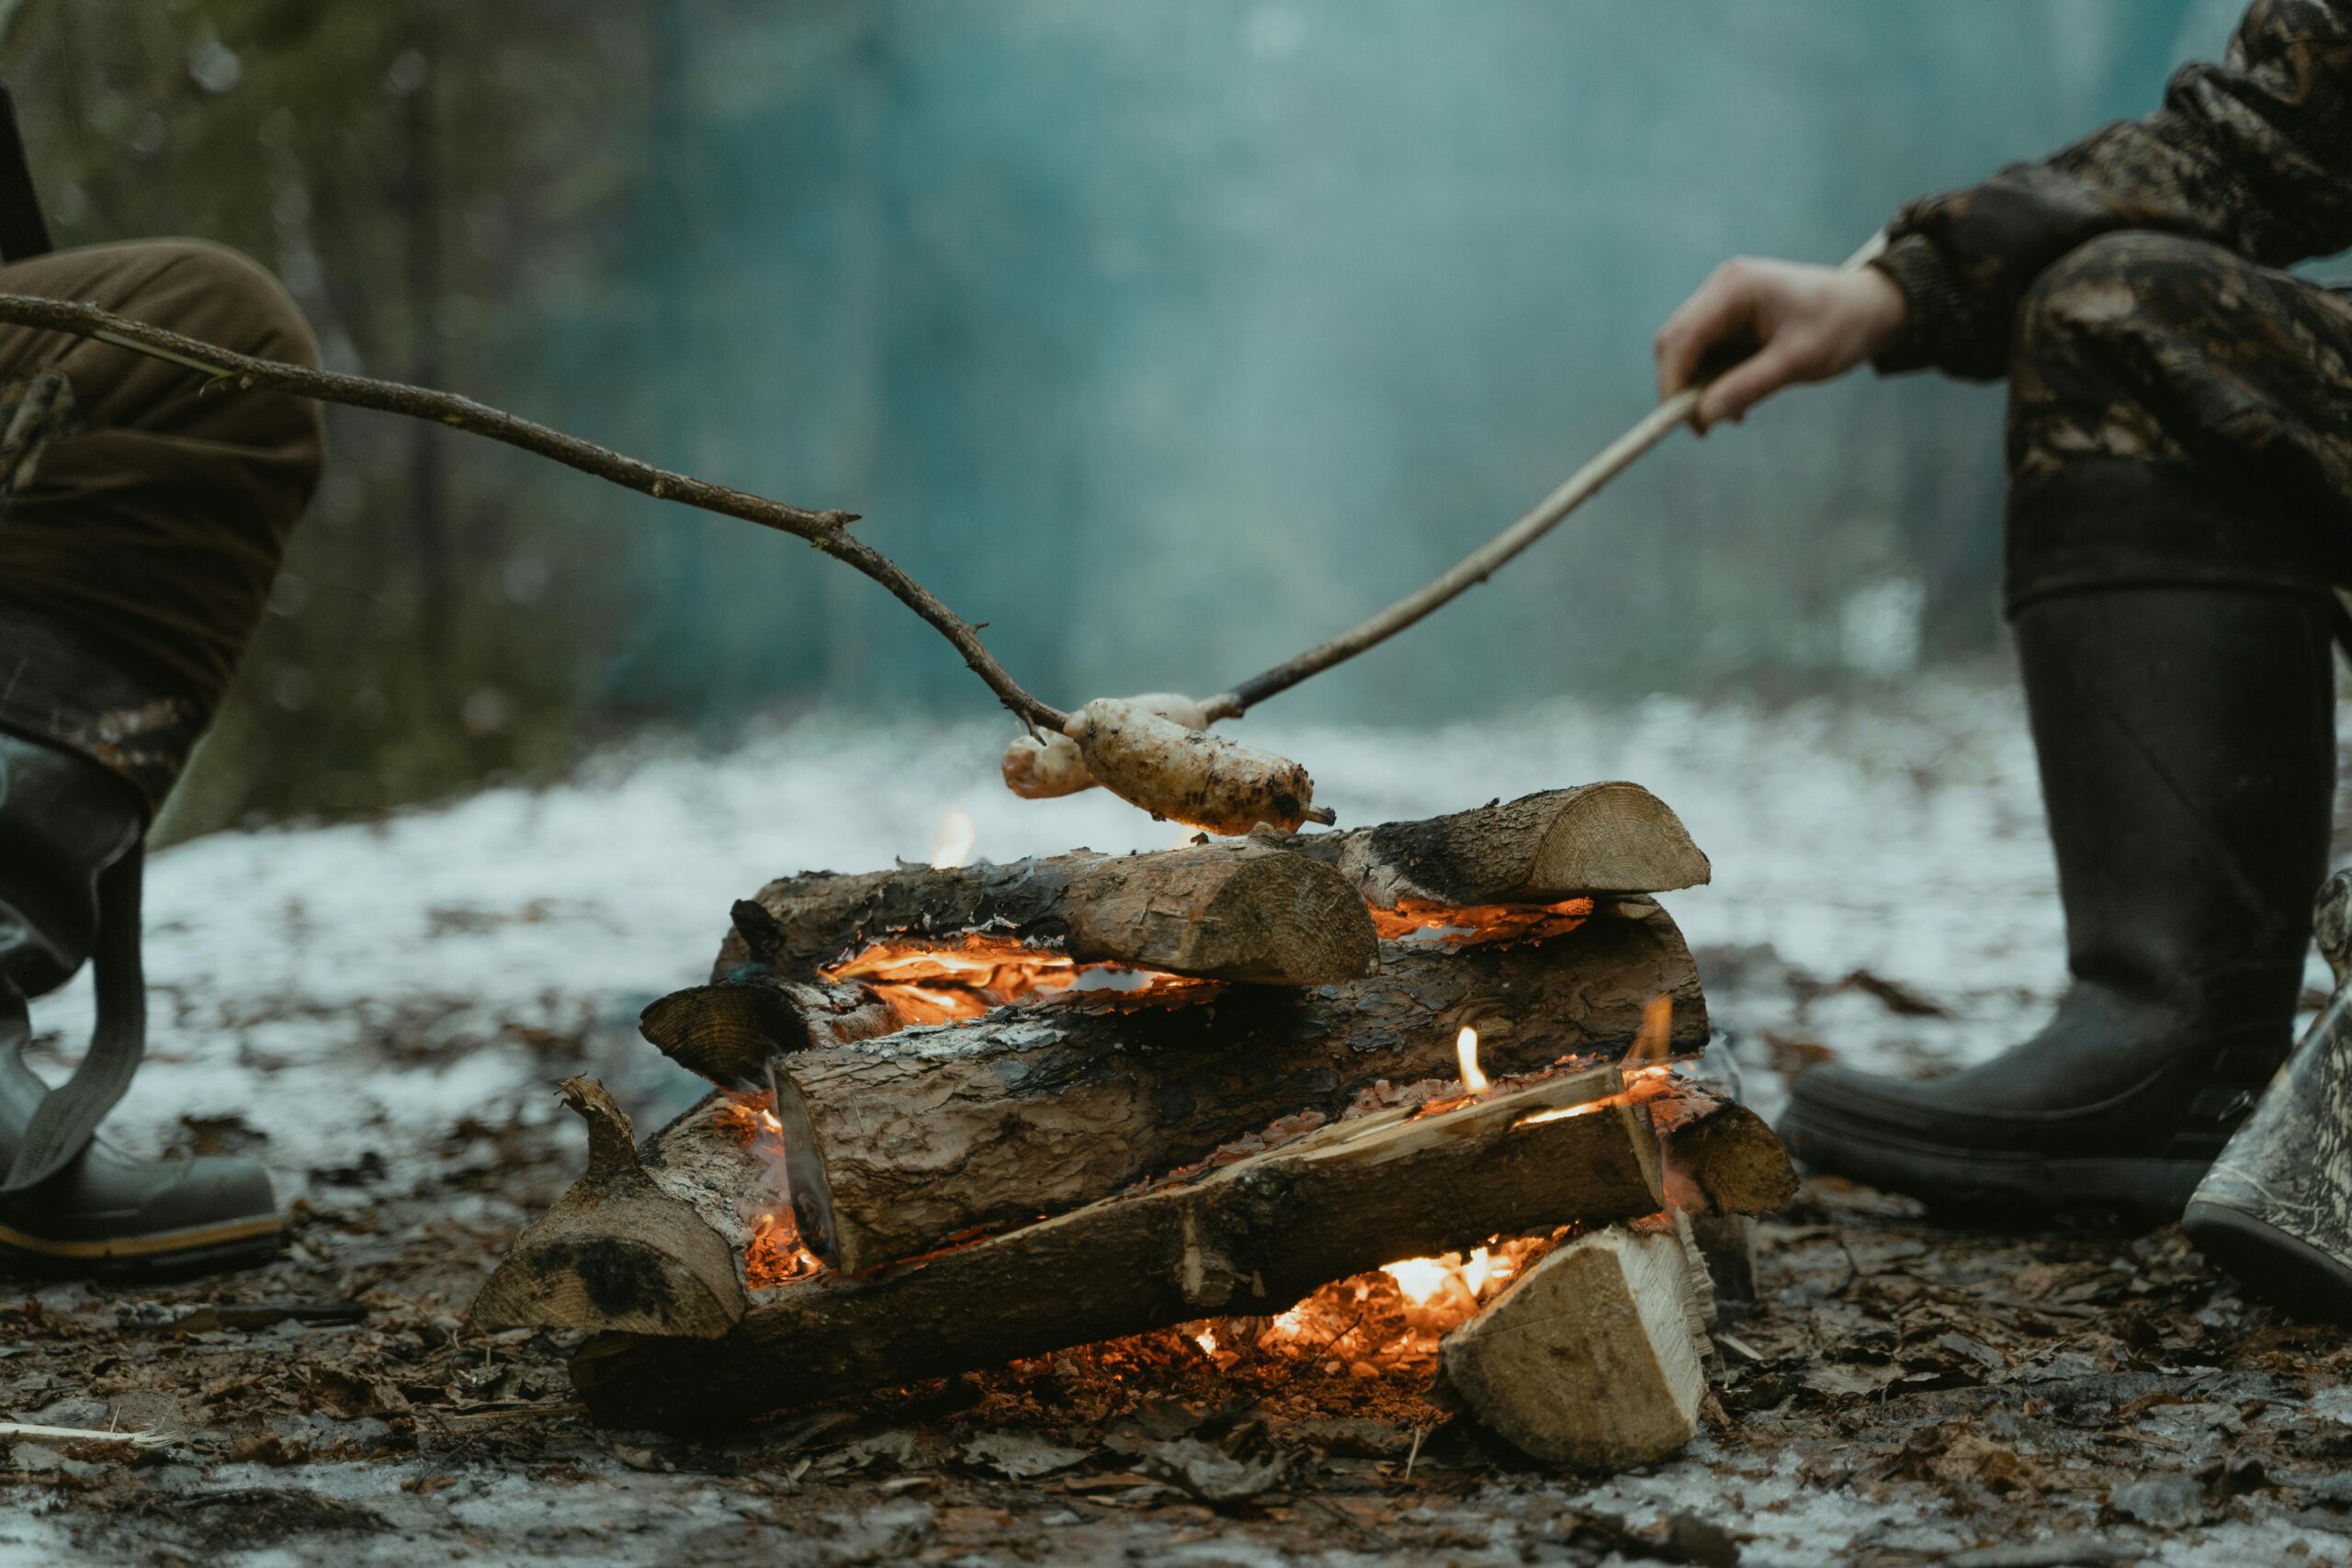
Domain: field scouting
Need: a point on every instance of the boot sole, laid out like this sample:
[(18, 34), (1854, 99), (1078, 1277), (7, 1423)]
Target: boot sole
[(197, 1249), (2283, 1269), (1980, 1180)]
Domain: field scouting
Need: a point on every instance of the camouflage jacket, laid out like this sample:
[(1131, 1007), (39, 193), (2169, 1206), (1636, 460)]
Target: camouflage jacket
[(2253, 154)]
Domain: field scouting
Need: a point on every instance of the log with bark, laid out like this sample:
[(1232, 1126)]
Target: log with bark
[(1596, 838), (899, 1144), (1541, 849), (649, 1241), (1248, 909), (1251, 1236)]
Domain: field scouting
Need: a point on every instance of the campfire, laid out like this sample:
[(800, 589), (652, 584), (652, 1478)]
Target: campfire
[(1353, 1100)]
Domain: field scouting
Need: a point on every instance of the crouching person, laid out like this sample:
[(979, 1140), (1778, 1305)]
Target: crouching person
[(134, 566)]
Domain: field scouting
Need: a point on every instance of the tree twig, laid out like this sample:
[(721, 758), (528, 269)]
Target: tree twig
[(827, 531)]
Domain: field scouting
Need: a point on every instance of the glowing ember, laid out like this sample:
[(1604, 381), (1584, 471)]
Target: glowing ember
[(1206, 1341), (1389, 1322), (936, 982), (1465, 1052), (775, 1256), (1419, 923)]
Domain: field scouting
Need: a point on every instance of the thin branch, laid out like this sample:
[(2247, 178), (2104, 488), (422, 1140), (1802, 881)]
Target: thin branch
[(1473, 568), (1482, 563), (828, 531)]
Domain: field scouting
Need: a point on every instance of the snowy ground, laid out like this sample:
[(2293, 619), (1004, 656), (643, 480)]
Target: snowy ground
[(339, 1000)]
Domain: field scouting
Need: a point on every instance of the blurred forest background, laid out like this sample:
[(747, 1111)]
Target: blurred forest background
[(1166, 337)]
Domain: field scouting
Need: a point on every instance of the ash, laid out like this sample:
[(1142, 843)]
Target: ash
[(381, 1011)]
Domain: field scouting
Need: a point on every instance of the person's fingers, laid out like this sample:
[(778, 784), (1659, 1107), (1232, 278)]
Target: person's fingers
[(1723, 306), (1749, 382)]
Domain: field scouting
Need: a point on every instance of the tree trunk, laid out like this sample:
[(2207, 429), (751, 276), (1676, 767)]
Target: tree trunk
[(900, 1144), (1252, 1236), (649, 1241)]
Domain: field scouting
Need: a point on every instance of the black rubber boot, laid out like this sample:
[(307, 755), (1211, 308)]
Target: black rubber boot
[(70, 837), (2187, 742)]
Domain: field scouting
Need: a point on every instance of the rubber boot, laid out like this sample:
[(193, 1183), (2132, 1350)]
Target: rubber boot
[(2276, 1210), (68, 827), (2186, 736)]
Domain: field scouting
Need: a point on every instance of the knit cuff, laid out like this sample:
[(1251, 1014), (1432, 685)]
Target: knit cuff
[(1939, 331)]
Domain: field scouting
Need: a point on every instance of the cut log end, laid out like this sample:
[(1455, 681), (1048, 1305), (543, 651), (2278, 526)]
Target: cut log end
[(1591, 1360), (623, 1252), (1739, 1164), (1616, 838), (730, 1030)]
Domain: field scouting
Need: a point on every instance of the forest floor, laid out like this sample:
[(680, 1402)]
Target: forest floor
[(381, 1011)]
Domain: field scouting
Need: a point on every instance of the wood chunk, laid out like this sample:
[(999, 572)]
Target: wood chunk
[(1738, 1162), (1247, 1237), (647, 1242), (1590, 1359), (898, 1143), (1247, 910), (728, 1030), (1596, 838)]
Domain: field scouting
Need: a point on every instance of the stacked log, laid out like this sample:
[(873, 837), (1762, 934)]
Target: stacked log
[(1251, 1236), (900, 1143), (984, 1188)]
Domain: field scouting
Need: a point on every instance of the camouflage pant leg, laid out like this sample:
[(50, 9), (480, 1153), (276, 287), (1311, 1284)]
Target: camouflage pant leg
[(2178, 416)]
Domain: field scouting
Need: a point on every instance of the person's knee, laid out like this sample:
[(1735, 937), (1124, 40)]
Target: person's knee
[(2134, 287), (226, 298)]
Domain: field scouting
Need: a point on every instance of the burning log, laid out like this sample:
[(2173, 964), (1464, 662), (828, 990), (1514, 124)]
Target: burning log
[(897, 1144), (649, 1241), (1250, 1236), (1249, 910), (1591, 1360), (1596, 838), (1532, 852), (728, 1029)]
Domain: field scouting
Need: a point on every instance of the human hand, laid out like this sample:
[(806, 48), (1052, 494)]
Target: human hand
[(1792, 322)]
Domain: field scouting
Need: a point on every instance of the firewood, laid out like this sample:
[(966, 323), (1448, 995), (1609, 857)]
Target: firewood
[(1249, 910), (1592, 1358), (728, 1030), (1737, 1162), (897, 1144), (649, 1241), (1596, 838), (1247, 1237)]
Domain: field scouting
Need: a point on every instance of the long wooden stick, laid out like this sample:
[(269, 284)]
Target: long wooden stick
[(828, 531), (1482, 563)]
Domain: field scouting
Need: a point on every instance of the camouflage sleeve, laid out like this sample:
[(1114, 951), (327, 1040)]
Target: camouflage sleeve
[(2253, 154)]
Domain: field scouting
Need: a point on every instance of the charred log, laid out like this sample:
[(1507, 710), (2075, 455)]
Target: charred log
[(1247, 1237), (728, 1029), (900, 1144), (1246, 910)]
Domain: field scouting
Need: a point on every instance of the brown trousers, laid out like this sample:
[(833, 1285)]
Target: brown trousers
[(136, 564)]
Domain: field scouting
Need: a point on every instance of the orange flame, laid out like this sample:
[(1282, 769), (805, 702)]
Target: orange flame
[(954, 840), (1656, 1037), (1465, 1052)]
